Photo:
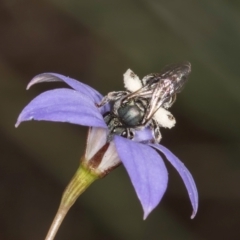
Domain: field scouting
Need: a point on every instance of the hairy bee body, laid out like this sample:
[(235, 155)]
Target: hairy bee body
[(146, 104)]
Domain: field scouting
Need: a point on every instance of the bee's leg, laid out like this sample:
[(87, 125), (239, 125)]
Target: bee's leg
[(156, 131), (112, 96), (171, 101), (108, 118), (121, 131), (113, 125), (127, 133), (131, 133), (110, 137)]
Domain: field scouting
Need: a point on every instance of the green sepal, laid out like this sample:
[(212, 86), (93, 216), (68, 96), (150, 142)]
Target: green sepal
[(79, 183)]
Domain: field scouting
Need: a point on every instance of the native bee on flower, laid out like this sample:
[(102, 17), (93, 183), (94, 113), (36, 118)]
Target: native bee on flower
[(145, 101)]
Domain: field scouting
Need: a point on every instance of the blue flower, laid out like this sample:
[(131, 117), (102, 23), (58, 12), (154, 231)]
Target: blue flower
[(142, 161)]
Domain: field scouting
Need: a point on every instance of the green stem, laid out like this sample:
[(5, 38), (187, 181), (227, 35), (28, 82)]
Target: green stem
[(79, 183)]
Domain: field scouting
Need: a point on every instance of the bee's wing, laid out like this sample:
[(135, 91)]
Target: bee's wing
[(156, 101), (175, 76), (143, 92), (178, 73), (160, 87)]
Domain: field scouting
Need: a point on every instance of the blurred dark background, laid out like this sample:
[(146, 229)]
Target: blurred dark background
[(96, 42)]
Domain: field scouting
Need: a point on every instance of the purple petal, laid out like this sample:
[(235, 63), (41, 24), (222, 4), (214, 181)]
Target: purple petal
[(185, 175), (146, 170), (94, 95), (76, 85), (144, 135), (63, 105)]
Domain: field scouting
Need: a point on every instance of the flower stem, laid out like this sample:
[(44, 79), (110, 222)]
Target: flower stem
[(79, 183)]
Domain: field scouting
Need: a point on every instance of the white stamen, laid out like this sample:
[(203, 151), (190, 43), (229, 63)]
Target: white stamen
[(96, 140), (110, 158), (131, 81), (97, 137), (164, 118)]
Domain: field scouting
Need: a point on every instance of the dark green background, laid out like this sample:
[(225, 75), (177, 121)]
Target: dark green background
[(96, 42)]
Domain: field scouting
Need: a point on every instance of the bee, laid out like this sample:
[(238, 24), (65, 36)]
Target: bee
[(145, 102)]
